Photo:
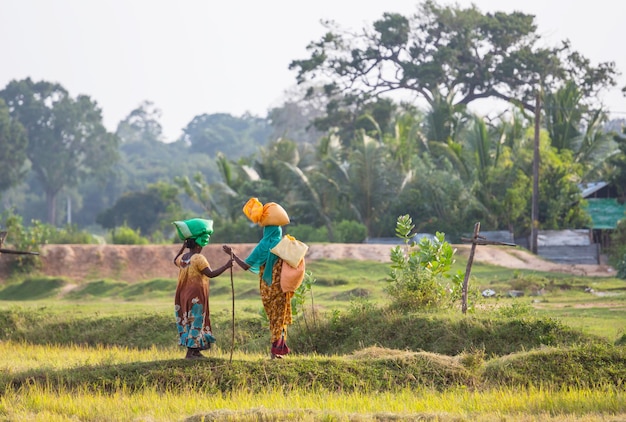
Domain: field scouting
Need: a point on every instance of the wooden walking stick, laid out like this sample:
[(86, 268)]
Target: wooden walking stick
[(232, 289)]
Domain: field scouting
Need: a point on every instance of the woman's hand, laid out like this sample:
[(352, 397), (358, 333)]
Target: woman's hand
[(228, 250)]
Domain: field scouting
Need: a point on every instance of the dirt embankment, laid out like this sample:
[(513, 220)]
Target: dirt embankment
[(134, 263)]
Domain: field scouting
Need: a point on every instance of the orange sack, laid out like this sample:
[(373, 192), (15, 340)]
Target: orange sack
[(270, 214)]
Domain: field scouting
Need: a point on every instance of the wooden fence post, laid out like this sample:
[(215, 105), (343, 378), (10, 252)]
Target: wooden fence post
[(468, 268), (476, 240)]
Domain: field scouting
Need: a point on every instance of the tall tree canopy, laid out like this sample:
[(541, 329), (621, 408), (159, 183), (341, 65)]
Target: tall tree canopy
[(459, 54), (13, 145), (141, 125), (66, 138), (235, 137)]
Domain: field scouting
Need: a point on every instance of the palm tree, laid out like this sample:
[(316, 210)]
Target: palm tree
[(572, 126), (374, 181)]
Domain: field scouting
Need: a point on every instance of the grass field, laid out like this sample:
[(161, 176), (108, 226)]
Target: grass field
[(105, 351)]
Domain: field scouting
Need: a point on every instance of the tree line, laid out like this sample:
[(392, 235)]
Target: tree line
[(348, 152)]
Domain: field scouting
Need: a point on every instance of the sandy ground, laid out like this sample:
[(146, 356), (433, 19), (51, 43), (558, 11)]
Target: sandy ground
[(134, 263)]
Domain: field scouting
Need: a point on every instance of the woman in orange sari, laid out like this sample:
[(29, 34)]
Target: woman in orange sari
[(191, 301), (277, 304), (262, 261)]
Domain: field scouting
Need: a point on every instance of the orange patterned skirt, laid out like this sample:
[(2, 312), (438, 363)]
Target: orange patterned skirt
[(277, 303)]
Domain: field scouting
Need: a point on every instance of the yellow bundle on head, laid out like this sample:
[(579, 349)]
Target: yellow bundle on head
[(253, 210), (270, 214)]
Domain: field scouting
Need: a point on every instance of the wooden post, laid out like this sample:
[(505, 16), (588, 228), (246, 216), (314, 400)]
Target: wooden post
[(534, 227), (468, 268)]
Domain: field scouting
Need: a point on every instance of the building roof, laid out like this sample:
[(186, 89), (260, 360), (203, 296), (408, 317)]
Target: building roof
[(587, 189), (605, 212)]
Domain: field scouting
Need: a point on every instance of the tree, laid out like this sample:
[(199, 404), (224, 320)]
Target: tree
[(374, 183), (146, 211), (459, 54), (66, 138), (294, 120), (13, 144), (141, 125), (235, 137), (573, 126), (618, 178)]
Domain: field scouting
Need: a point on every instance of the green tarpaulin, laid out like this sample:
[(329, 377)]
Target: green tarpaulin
[(605, 212)]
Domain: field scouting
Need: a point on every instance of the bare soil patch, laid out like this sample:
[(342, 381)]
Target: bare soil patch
[(134, 263)]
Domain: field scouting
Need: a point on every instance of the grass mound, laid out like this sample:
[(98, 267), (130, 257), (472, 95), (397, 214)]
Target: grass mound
[(33, 289), (366, 371), (215, 375), (585, 366), (447, 334), (97, 289), (341, 333)]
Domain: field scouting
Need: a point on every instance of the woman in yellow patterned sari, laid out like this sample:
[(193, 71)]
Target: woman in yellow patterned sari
[(277, 304), (191, 301)]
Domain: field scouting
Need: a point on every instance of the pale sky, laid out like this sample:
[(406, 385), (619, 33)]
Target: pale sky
[(191, 57)]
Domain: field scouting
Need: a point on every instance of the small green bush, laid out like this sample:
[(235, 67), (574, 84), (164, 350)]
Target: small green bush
[(24, 239), (307, 233), (419, 275), (125, 235), (349, 231), (70, 235)]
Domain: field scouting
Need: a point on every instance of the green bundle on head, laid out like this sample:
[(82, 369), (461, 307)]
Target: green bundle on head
[(197, 229)]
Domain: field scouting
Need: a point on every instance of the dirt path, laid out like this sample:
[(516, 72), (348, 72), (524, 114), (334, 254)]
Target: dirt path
[(134, 263)]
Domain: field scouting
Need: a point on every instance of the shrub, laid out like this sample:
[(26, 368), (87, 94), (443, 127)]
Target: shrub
[(349, 231), (420, 274), (125, 235), (25, 239), (70, 234), (307, 233)]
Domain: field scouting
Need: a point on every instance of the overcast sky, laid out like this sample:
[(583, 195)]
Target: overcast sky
[(191, 57)]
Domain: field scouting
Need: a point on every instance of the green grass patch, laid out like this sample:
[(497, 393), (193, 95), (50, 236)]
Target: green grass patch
[(98, 289), (32, 289)]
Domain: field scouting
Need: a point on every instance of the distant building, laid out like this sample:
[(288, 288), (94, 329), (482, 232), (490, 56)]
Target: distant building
[(604, 209)]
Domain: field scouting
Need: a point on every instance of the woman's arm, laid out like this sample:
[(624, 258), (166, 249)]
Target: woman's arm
[(241, 262), (180, 252), (214, 273), (230, 251)]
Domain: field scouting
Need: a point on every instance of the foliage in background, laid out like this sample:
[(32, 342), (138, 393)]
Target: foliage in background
[(350, 231), (618, 178), (433, 54), (67, 140), (124, 235), (70, 235), (240, 230), (13, 144), (621, 267), (419, 274), (370, 160), (150, 211), (617, 251), (24, 238), (307, 233)]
